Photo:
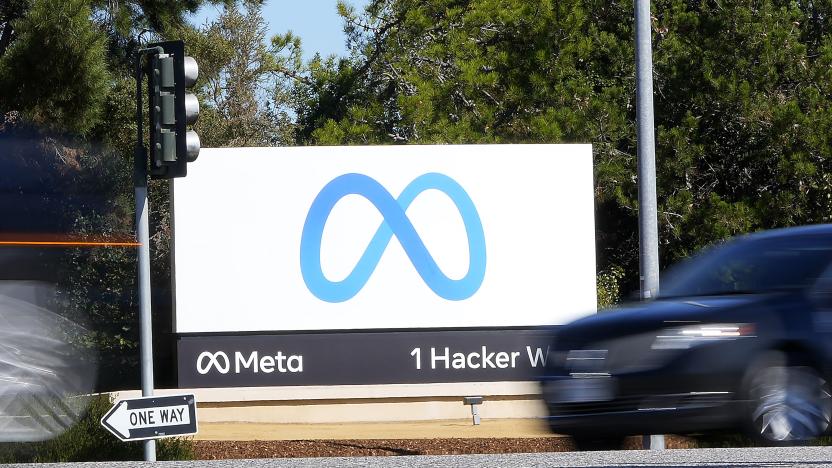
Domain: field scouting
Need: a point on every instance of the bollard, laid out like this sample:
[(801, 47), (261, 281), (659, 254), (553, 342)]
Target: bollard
[(474, 401)]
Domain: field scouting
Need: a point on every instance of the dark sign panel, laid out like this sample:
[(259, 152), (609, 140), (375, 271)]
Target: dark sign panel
[(354, 358)]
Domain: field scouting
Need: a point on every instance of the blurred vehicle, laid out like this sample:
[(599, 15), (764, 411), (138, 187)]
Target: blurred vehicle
[(48, 367), (45, 376), (740, 338)]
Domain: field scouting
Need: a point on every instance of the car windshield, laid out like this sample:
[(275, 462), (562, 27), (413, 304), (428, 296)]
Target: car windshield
[(747, 266)]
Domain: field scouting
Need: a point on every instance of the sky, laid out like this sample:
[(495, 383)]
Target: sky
[(315, 21)]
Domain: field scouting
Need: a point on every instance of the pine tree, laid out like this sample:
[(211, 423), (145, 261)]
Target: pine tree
[(55, 72)]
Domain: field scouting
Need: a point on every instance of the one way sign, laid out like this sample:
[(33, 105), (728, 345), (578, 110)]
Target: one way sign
[(152, 417)]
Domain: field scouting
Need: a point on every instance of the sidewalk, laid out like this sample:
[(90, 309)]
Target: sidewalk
[(495, 428)]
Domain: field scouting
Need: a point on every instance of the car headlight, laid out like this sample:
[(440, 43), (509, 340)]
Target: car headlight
[(694, 335)]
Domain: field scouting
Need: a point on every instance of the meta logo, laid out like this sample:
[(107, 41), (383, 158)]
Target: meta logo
[(252, 362), (395, 223)]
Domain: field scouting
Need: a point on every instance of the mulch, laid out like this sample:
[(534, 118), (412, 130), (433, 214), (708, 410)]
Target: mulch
[(218, 450)]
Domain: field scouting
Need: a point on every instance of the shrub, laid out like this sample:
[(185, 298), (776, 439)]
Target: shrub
[(608, 283)]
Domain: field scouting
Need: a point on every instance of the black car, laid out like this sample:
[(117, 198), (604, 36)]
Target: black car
[(740, 338)]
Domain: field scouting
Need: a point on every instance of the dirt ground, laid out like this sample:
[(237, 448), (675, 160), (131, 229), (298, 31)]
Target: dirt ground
[(235, 440), (237, 449)]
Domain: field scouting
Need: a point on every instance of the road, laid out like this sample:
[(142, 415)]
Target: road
[(813, 457)]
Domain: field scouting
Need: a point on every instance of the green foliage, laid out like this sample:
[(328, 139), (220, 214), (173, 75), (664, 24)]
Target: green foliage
[(89, 441), (243, 97), (742, 139), (60, 60), (55, 72), (608, 285), (481, 71)]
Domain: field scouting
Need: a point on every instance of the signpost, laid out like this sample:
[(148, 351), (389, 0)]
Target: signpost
[(648, 231), (152, 417)]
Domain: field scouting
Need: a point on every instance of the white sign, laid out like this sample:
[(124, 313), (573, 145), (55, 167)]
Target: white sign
[(384, 237)]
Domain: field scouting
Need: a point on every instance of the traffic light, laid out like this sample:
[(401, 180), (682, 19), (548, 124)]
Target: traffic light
[(171, 110)]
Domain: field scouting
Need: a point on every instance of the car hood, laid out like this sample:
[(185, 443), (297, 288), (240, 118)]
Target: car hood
[(661, 313)]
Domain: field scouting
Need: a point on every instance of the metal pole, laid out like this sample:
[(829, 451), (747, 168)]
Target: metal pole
[(143, 237), (647, 213)]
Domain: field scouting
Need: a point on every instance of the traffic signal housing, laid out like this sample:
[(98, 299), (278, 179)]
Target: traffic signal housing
[(171, 110)]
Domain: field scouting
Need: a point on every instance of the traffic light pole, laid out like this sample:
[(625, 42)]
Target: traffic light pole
[(172, 146), (143, 237)]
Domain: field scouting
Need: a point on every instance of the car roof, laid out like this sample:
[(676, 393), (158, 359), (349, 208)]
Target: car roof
[(796, 231)]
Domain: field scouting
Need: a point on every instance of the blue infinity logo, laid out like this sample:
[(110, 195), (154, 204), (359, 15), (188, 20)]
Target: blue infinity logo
[(395, 223)]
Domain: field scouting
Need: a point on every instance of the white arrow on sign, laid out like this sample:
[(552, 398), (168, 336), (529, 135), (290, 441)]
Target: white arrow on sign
[(124, 419), (152, 417)]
